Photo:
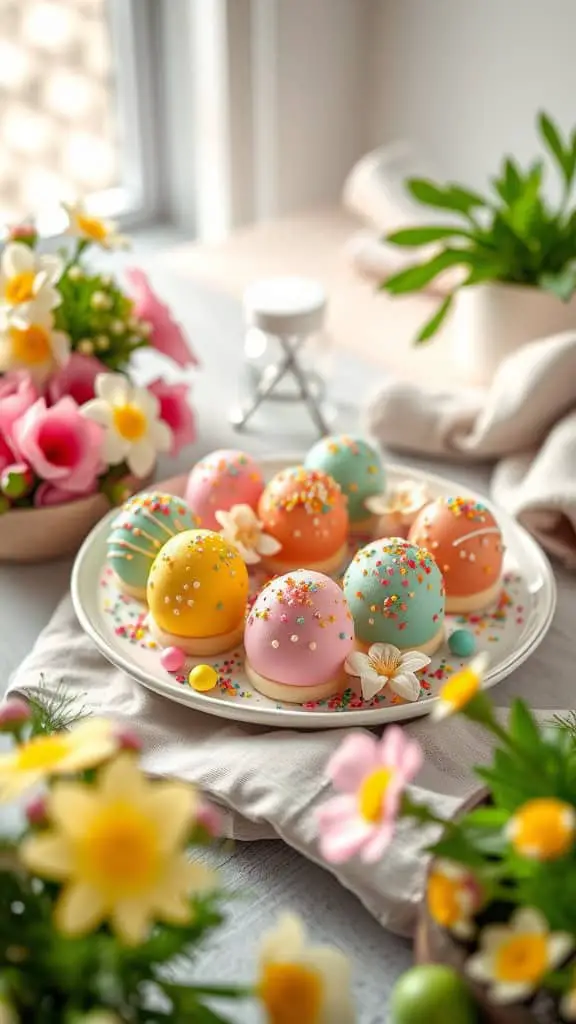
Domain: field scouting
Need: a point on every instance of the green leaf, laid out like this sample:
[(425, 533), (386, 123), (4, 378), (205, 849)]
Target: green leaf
[(561, 284), (414, 278), (487, 817), (551, 136), (432, 325), (422, 236), (450, 197), (523, 728)]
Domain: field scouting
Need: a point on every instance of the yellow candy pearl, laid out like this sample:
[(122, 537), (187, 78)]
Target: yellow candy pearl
[(203, 678)]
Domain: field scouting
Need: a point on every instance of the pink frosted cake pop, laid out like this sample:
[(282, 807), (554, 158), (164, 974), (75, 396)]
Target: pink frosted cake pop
[(220, 480), (297, 638)]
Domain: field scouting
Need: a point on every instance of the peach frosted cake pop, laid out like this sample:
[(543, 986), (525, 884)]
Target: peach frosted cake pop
[(297, 638), (305, 511), (465, 540), (220, 480), (197, 591), (395, 592)]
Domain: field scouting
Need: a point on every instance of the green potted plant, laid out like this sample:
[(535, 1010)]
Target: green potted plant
[(510, 256)]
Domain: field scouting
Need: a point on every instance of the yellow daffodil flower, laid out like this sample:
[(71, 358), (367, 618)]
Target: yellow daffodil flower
[(461, 688), (83, 225), (543, 829)]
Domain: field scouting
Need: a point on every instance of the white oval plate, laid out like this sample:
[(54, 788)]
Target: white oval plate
[(509, 632)]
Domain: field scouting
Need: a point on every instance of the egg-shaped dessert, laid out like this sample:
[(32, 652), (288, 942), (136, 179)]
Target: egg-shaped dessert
[(220, 480), (395, 592), (298, 635), (357, 468), (197, 590), (465, 540), (305, 511), (143, 525)]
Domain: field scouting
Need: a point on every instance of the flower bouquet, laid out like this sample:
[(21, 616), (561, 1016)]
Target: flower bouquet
[(76, 433), (106, 894), (500, 905)]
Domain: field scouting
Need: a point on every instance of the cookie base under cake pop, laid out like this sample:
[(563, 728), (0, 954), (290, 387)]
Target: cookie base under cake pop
[(139, 593), (295, 694), (429, 648), (196, 646), (474, 602), (329, 565)]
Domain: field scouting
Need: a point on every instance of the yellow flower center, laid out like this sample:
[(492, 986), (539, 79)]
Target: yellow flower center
[(91, 227), (372, 793), (442, 897), (386, 666), (248, 536), (460, 690), (291, 993), (522, 958), (130, 422), (543, 829), (41, 752), (119, 853), (20, 287), (30, 345)]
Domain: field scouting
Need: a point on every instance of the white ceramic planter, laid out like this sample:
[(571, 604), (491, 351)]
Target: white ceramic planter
[(490, 321)]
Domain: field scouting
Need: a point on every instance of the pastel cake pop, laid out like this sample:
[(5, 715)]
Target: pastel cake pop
[(465, 540), (197, 591), (357, 467), (297, 638), (143, 525), (305, 511), (395, 592), (220, 480)]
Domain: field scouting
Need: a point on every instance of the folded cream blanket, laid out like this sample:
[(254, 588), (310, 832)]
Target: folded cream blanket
[(526, 421)]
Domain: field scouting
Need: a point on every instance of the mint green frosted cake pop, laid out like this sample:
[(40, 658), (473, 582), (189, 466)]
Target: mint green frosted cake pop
[(395, 593), (355, 465), (141, 528)]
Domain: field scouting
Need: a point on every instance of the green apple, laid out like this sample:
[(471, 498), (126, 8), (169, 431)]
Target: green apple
[(432, 994)]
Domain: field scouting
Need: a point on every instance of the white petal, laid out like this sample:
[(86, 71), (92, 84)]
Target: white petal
[(568, 1005), (114, 448), (413, 661), (480, 967), (248, 555), (99, 411), (160, 435), (528, 919), (17, 258), (378, 504), (510, 992), (60, 344), (441, 709), (285, 942), (141, 458), (245, 517), (385, 651), (560, 944), (268, 545), (51, 266), (357, 663), (406, 685), (225, 520), (371, 684), (147, 402), (113, 388), (494, 936)]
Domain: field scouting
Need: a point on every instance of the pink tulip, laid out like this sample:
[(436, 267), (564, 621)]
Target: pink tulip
[(46, 495), (371, 775), (61, 445), (176, 412), (6, 455), (17, 395), (76, 379), (167, 336), (24, 232)]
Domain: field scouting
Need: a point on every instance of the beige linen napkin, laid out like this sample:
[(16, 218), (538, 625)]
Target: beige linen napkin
[(526, 421)]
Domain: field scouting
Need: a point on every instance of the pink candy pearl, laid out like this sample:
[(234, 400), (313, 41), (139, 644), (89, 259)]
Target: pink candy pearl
[(172, 659)]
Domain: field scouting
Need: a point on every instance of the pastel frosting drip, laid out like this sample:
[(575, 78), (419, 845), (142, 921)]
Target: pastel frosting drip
[(395, 592), (465, 540), (198, 586), (355, 465), (299, 631), (143, 525), (305, 510), (220, 480)]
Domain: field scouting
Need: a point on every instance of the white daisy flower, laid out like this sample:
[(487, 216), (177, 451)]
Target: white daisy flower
[(385, 665), (241, 527), (514, 958), (299, 982), (130, 415), (27, 281), (35, 347), (93, 229)]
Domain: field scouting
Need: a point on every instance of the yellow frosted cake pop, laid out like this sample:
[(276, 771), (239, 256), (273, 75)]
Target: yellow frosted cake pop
[(197, 590)]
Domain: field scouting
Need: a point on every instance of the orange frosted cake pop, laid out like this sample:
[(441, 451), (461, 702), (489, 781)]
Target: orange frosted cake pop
[(465, 541), (305, 511)]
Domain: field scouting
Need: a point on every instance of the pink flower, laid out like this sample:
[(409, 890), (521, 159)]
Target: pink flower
[(167, 336), (176, 412), (209, 818), (371, 775), (17, 395), (6, 455), (24, 232), (47, 495), (61, 445), (76, 379)]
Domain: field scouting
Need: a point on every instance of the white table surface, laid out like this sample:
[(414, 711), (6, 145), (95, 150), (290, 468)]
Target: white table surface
[(271, 875)]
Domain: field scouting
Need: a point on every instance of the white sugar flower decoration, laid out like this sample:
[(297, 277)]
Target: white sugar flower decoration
[(27, 281), (514, 958), (35, 347), (93, 229), (241, 527), (385, 665), (134, 432), (401, 504)]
